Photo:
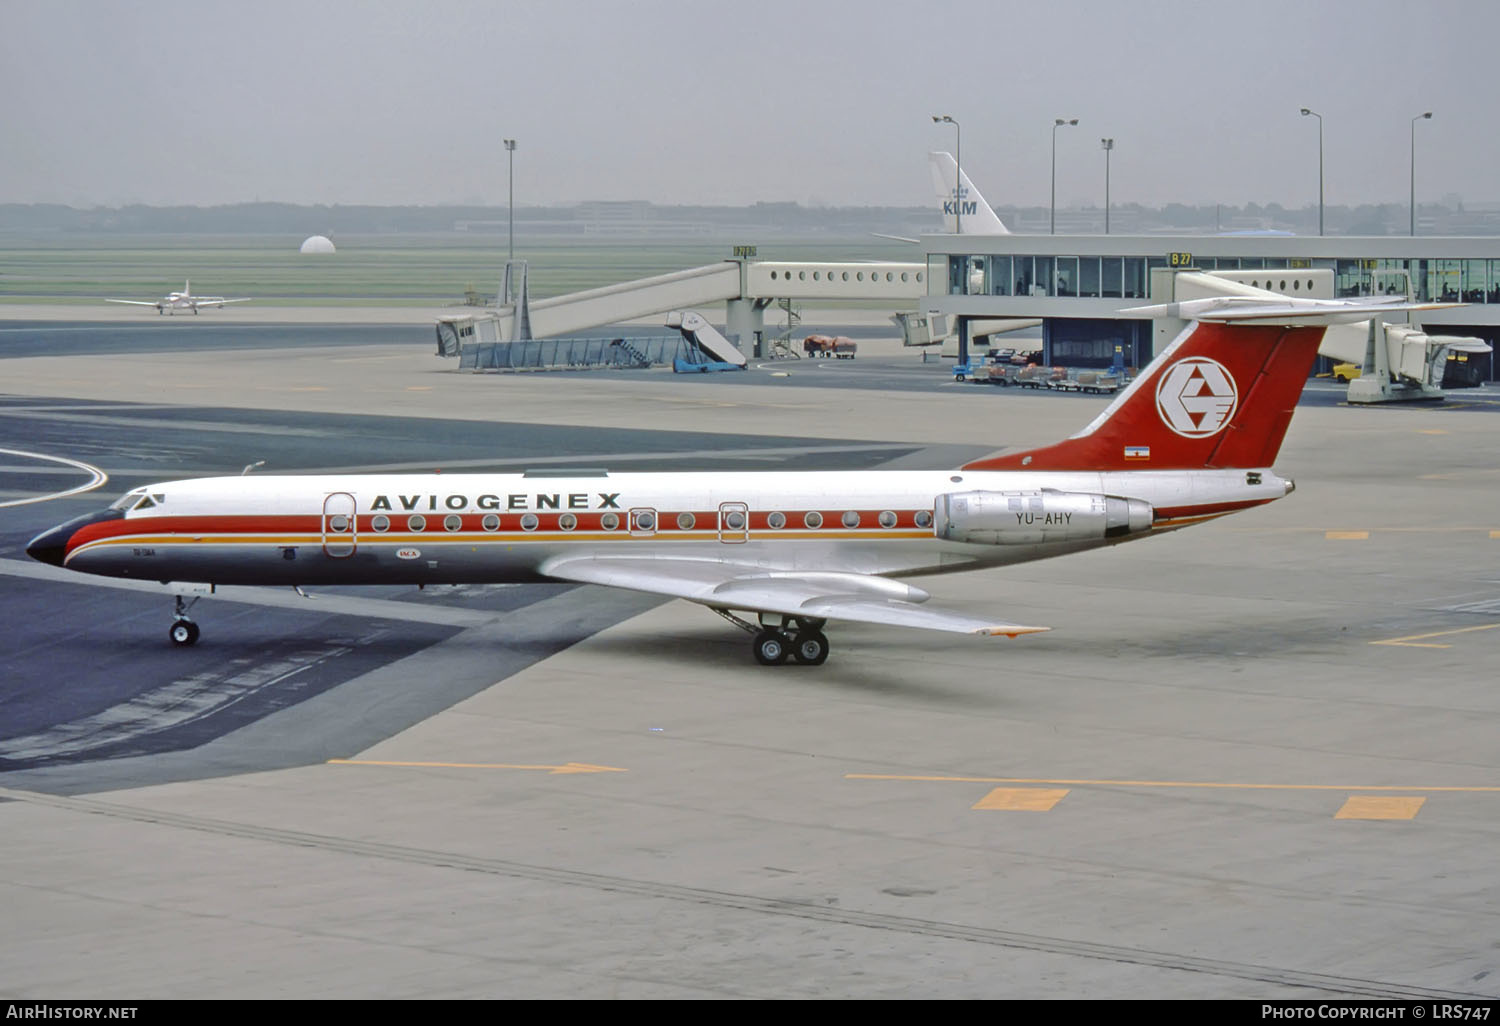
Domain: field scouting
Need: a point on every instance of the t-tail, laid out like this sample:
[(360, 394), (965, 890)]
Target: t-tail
[(1220, 397), (978, 218)]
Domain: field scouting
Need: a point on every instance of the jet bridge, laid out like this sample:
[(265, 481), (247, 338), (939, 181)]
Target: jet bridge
[(746, 287), (1400, 361)]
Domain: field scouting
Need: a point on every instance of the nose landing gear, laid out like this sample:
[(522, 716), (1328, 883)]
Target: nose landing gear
[(183, 631)]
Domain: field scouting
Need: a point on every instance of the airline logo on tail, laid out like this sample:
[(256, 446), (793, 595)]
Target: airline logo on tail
[(963, 207), (1197, 397)]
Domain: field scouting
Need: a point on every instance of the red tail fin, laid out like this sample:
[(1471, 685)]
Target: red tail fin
[(1220, 396)]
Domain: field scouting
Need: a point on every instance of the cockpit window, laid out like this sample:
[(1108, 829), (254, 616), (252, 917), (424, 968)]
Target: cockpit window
[(145, 503), (129, 499)]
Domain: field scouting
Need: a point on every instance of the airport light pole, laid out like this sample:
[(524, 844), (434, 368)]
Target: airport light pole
[(1106, 145), (1312, 113), (958, 171), (1056, 124), (1427, 115), (510, 203)]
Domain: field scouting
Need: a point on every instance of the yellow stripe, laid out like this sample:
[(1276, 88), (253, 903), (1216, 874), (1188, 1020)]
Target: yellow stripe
[(1168, 783), (1414, 640)]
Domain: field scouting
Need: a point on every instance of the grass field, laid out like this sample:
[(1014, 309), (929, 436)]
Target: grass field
[(368, 269)]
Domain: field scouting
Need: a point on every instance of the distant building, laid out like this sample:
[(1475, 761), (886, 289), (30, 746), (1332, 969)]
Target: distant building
[(317, 244)]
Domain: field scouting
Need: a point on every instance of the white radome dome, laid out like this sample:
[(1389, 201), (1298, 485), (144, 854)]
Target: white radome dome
[(317, 244)]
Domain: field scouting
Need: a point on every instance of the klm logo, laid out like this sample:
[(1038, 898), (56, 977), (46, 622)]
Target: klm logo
[(952, 207)]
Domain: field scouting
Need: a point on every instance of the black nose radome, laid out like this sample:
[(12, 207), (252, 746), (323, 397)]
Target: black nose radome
[(51, 546)]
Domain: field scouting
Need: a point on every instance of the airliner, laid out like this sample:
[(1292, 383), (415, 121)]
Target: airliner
[(184, 300), (1191, 439), (957, 194)]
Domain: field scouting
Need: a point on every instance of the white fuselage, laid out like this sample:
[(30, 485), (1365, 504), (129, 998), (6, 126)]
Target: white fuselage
[(441, 528)]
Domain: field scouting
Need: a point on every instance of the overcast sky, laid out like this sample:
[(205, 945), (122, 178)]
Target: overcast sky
[(727, 103)]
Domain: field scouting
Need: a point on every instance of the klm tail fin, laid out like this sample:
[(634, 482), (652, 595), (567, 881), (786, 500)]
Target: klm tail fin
[(1219, 397), (978, 218)]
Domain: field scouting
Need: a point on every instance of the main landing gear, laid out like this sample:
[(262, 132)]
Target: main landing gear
[(793, 639), (183, 632)]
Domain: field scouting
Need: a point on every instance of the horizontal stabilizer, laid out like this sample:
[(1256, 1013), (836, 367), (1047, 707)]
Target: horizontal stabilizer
[(1283, 309)]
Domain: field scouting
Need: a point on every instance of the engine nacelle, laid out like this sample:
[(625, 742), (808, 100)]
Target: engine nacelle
[(1029, 518)]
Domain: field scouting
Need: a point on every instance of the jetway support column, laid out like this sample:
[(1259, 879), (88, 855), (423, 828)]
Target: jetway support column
[(746, 318)]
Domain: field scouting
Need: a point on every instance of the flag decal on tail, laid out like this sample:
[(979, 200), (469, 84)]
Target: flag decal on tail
[(1138, 452), (1197, 397)]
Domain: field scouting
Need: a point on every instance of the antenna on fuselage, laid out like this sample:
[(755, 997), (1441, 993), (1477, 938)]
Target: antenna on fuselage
[(251, 466)]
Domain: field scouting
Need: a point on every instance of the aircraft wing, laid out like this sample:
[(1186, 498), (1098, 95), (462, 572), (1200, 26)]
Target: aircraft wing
[(863, 598), (135, 302)]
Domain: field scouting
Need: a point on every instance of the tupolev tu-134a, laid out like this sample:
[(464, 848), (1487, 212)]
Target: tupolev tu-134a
[(184, 300), (1191, 439)]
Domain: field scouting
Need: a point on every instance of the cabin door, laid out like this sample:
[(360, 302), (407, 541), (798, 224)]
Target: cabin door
[(339, 526), (734, 522)]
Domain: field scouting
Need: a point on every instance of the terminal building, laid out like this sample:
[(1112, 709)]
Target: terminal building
[(1078, 285), (1079, 288)]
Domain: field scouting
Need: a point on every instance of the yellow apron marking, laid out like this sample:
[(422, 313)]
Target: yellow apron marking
[(1022, 799), (1483, 789), (1346, 535), (1364, 806), (571, 767), (1033, 798), (1415, 640)]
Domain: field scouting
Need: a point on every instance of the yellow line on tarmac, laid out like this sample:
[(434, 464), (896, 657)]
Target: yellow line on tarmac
[(1165, 783), (571, 767), (1446, 529), (1346, 535), (1458, 475), (1415, 640)]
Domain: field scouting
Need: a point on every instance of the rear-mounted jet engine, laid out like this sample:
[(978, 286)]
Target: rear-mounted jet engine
[(1028, 518)]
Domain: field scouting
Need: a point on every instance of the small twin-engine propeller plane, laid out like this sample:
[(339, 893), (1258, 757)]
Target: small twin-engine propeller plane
[(1191, 439), (184, 300)]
